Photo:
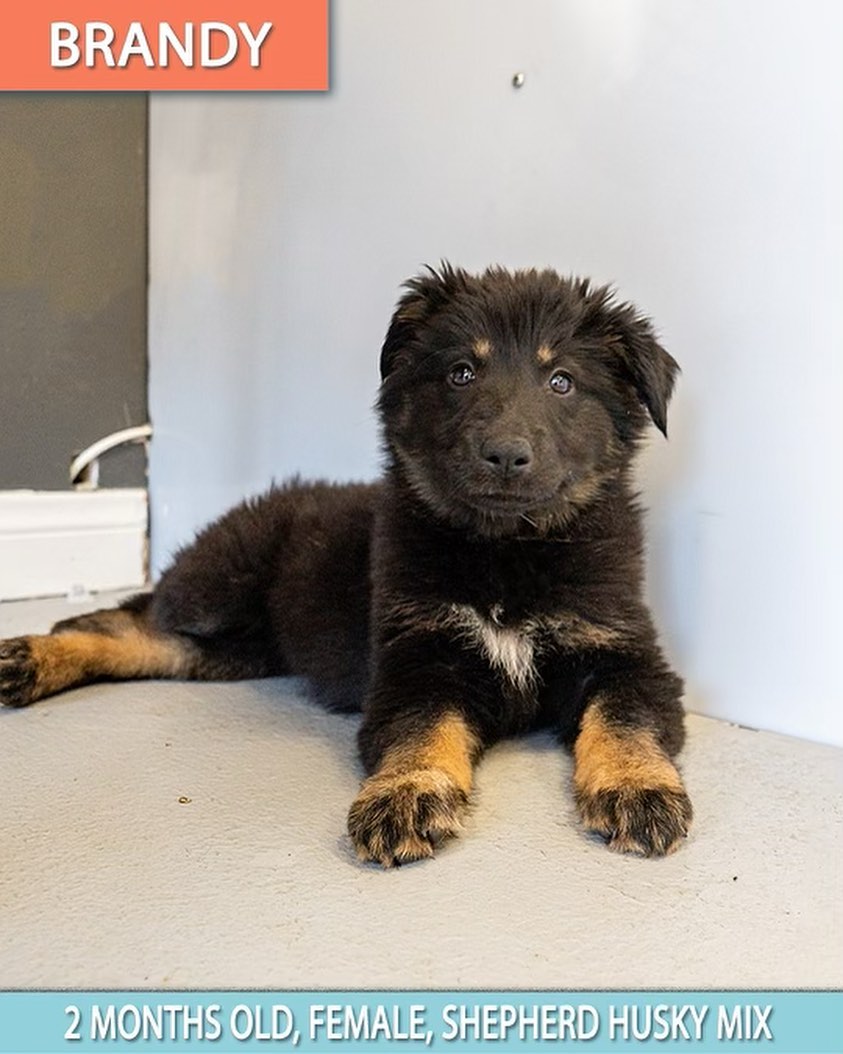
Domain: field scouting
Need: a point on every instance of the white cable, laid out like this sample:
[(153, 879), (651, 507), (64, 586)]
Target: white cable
[(95, 450)]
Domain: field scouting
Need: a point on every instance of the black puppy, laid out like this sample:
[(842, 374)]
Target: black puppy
[(491, 584)]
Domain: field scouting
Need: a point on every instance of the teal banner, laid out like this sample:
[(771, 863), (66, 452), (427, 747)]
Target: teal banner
[(309, 1021)]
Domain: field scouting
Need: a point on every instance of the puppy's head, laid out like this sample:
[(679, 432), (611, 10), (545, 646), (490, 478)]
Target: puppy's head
[(516, 396)]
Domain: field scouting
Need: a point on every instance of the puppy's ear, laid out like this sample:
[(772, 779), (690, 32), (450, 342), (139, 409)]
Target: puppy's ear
[(652, 369), (426, 294), (642, 359)]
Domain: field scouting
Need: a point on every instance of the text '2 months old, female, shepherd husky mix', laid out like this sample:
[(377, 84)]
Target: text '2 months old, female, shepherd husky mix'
[(490, 584)]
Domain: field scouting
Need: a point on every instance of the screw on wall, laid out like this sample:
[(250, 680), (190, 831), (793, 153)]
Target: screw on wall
[(518, 80)]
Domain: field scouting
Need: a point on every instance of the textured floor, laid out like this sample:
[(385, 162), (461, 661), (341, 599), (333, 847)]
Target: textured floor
[(175, 835)]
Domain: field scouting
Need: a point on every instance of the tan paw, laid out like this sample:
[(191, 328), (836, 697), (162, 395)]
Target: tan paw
[(649, 821), (401, 816), (18, 672)]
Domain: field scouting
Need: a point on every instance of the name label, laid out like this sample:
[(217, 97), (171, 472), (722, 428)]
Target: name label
[(167, 45), (211, 44)]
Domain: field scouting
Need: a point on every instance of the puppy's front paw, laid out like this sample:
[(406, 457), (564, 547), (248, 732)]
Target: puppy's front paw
[(649, 821), (18, 673), (401, 816)]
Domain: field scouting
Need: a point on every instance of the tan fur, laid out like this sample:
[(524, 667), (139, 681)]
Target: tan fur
[(448, 747), (587, 489), (482, 348), (609, 758), (544, 356), (574, 631), (74, 657)]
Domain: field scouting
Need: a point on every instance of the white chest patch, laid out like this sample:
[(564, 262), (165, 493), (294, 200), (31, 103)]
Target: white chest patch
[(508, 649)]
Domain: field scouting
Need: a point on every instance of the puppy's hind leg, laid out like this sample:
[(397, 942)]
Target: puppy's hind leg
[(118, 644), (206, 619)]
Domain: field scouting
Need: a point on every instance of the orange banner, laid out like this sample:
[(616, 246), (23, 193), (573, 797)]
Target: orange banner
[(181, 45)]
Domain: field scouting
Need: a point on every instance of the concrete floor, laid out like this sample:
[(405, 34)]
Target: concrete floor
[(186, 835)]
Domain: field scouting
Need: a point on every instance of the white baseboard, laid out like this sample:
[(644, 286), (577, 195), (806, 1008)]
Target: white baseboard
[(62, 542)]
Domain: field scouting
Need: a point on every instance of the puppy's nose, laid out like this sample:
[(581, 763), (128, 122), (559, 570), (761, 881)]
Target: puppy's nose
[(508, 455)]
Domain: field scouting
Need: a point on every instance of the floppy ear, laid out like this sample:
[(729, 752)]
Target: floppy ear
[(426, 294), (643, 360), (652, 369)]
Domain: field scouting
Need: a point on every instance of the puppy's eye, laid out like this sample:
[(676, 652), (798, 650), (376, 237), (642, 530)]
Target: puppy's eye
[(461, 375), (562, 383)]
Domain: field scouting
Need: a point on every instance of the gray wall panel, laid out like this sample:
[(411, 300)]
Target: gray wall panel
[(72, 283)]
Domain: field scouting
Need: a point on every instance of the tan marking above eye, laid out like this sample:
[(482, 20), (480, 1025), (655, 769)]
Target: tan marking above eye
[(544, 355), (482, 348)]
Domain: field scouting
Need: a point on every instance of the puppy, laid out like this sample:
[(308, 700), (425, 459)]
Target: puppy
[(489, 585)]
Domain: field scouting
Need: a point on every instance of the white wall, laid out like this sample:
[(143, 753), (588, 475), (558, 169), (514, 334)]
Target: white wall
[(689, 152)]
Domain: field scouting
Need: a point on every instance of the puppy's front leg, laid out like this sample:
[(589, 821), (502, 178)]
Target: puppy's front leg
[(626, 786), (421, 758)]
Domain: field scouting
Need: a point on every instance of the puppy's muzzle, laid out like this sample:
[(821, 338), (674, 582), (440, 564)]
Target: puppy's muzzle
[(507, 457)]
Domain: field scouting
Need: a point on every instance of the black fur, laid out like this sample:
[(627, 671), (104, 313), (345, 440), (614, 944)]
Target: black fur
[(505, 514)]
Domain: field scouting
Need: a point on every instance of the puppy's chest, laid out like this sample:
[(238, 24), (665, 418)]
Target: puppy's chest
[(514, 648), (509, 649)]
